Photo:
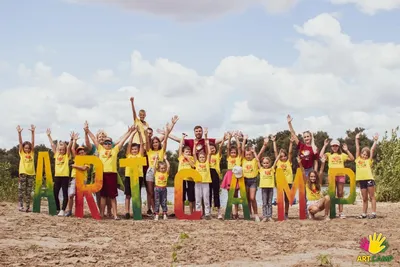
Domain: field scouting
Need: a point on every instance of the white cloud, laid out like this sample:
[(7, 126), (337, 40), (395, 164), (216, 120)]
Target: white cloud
[(192, 10), (105, 76), (41, 49), (335, 84), (371, 6)]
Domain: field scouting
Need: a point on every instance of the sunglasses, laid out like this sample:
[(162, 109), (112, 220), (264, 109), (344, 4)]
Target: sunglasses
[(107, 142)]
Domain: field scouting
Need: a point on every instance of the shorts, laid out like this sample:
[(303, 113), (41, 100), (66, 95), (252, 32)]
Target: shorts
[(150, 175), (286, 198), (189, 191), (366, 183), (127, 185), (72, 187), (313, 203), (340, 179), (110, 181), (250, 182)]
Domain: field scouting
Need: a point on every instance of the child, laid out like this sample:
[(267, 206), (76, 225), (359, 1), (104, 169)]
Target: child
[(336, 159), (250, 172), (140, 122), (186, 161), (72, 184), (215, 173), (285, 163), (315, 201), (109, 156), (160, 190), (133, 151), (234, 159), (26, 169), (62, 154), (364, 176), (267, 182), (154, 150), (202, 162)]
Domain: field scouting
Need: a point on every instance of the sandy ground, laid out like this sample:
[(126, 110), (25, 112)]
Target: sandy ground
[(29, 239)]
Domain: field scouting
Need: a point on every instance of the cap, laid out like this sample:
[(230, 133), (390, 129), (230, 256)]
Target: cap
[(80, 148), (335, 143), (237, 171)]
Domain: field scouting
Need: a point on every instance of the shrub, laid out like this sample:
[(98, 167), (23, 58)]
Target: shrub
[(8, 185)]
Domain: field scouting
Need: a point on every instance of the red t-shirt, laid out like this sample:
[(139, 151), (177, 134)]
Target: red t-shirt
[(200, 144), (307, 155)]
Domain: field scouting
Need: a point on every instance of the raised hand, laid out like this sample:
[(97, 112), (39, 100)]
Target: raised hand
[(76, 136), (289, 118), (86, 126), (160, 131), (273, 138), (326, 142), (19, 129), (298, 159), (184, 135), (266, 140), (48, 132), (292, 138), (345, 148), (205, 131), (376, 137), (323, 158), (165, 157), (33, 128), (245, 136), (174, 119), (72, 135), (132, 99), (358, 135)]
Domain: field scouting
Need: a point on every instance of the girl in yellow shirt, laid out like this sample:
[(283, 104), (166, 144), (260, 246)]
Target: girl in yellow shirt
[(133, 150), (285, 163), (316, 202), (109, 156), (215, 173), (160, 190), (26, 169), (62, 155), (364, 175), (336, 159), (202, 190), (186, 161), (234, 158)]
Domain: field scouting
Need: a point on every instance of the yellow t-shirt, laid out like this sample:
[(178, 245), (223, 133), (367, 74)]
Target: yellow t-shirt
[(140, 125), (61, 165), (85, 174), (26, 163), (287, 170), (363, 169), (336, 160), (161, 179), (151, 155), (250, 168), (128, 170), (267, 178), (184, 163), (313, 194), (215, 161), (109, 158), (204, 170), (232, 162)]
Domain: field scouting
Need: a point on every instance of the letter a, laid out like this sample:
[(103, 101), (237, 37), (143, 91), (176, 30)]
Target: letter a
[(242, 200), (48, 191)]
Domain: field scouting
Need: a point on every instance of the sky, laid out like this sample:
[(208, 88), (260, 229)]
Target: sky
[(223, 64)]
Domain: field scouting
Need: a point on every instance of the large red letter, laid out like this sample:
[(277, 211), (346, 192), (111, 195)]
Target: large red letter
[(187, 174)]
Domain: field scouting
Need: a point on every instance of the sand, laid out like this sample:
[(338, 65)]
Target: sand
[(31, 239)]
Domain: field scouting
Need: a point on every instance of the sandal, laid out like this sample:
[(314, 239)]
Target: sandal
[(372, 216), (362, 216)]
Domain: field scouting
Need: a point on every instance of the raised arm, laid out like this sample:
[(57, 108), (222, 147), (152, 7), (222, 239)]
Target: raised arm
[(290, 153), (228, 145), (221, 144), (81, 168), (168, 130), (358, 145), (326, 143), (180, 152), (91, 135), (87, 140), (289, 120), (129, 147), (243, 144), (70, 144), (73, 148), (302, 169), (265, 144), (346, 149), (125, 137), (133, 109), (32, 129), (194, 150), (167, 162), (276, 161), (253, 150), (141, 148), (170, 136), (19, 130), (376, 137), (53, 146), (321, 170), (208, 154), (273, 138), (239, 147)]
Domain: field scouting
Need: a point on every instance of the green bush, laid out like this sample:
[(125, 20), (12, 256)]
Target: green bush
[(387, 168), (8, 185)]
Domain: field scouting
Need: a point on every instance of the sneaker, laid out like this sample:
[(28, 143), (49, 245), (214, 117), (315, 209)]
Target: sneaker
[(149, 212), (127, 216), (68, 214), (362, 216), (220, 216), (264, 220), (207, 217), (372, 216), (342, 216), (256, 218), (286, 217), (165, 217), (21, 208), (156, 217), (61, 213)]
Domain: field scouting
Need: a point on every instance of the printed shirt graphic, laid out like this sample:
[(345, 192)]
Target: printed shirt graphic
[(204, 170), (363, 169), (140, 126), (184, 163), (336, 160), (307, 155), (152, 156), (250, 168), (26, 163), (215, 162), (161, 179), (61, 165), (109, 158), (313, 194), (287, 170), (85, 173), (128, 170), (267, 178), (232, 162)]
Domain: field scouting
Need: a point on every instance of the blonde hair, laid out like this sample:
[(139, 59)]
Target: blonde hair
[(101, 131), (313, 145), (366, 149)]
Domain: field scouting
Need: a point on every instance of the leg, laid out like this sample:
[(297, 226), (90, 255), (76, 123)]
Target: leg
[(164, 200), (327, 205), (151, 186), (198, 195), (102, 206), (127, 204), (253, 200), (340, 193), (21, 190), (248, 199), (264, 195), (206, 198), (56, 190), (65, 183), (157, 198), (270, 195), (210, 190), (29, 187), (191, 194), (98, 199), (128, 193), (236, 206), (364, 194), (109, 206), (286, 206), (114, 207), (371, 192)]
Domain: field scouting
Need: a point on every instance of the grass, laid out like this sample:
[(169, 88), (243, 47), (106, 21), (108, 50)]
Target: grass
[(177, 246)]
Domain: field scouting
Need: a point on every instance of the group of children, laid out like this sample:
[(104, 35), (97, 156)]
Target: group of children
[(203, 155)]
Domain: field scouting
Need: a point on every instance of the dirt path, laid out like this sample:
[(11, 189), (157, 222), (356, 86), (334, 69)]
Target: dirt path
[(28, 239)]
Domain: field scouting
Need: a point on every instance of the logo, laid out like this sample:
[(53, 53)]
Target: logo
[(374, 245)]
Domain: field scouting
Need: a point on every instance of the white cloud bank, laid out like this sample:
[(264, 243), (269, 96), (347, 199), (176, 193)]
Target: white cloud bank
[(370, 6), (335, 84)]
